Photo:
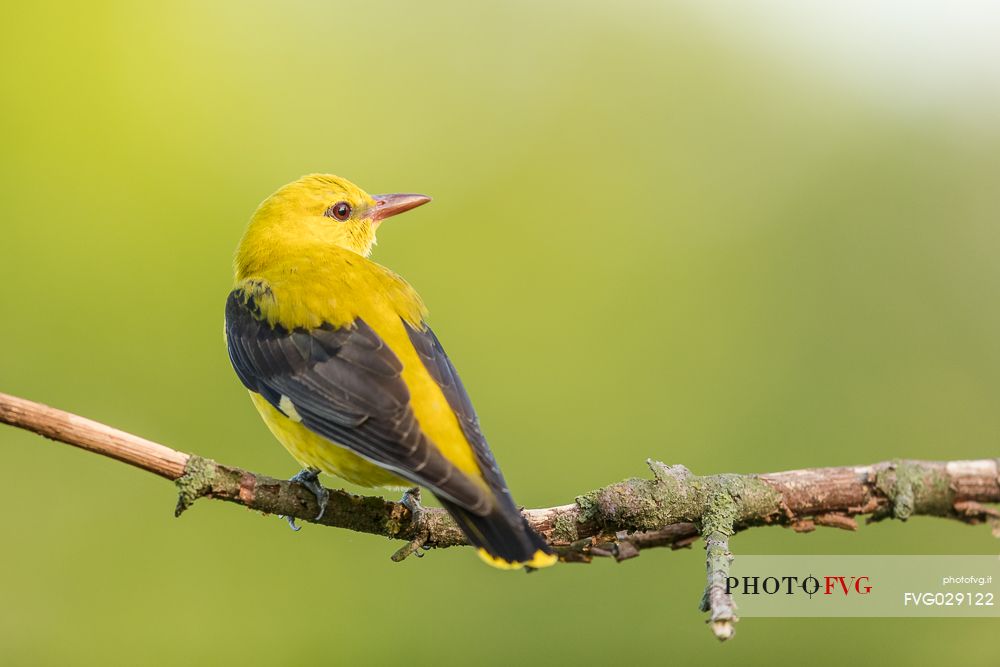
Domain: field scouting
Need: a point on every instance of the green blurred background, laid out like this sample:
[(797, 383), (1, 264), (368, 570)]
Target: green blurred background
[(738, 238)]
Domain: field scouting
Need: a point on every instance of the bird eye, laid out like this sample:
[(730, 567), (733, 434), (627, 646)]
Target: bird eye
[(340, 211)]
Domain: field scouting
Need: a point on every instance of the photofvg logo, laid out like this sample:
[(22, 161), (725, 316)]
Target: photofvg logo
[(865, 586), (808, 585)]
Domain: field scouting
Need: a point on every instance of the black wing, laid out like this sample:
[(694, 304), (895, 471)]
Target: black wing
[(346, 385)]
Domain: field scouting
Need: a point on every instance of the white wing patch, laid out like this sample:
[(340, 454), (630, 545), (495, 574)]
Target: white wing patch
[(285, 405)]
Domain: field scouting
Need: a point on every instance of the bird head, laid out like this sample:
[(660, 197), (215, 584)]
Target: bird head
[(321, 210)]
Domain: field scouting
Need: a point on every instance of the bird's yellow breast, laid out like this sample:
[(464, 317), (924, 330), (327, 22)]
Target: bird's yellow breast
[(335, 286)]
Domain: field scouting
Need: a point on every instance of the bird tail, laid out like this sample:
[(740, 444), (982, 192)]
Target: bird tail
[(503, 537)]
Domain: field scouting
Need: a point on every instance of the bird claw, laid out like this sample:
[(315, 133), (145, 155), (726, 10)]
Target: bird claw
[(417, 546), (308, 478), (411, 501)]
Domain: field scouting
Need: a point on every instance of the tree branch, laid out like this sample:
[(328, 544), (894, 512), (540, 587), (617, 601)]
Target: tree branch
[(717, 526), (618, 520)]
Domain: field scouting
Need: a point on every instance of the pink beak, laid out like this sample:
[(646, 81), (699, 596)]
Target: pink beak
[(387, 206)]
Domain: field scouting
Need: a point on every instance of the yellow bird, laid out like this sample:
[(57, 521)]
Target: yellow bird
[(342, 366)]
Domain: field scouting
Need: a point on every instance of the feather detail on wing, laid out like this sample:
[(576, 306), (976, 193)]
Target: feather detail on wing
[(346, 385)]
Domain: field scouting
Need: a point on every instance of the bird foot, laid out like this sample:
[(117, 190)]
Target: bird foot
[(411, 501), (308, 478)]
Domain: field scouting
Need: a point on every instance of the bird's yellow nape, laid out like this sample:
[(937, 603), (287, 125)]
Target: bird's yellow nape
[(316, 211)]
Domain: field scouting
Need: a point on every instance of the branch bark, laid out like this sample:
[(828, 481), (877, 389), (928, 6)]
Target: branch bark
[(671, 509)]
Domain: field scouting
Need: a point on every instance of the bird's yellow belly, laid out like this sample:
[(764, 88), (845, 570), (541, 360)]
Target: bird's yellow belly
[(314, 451)]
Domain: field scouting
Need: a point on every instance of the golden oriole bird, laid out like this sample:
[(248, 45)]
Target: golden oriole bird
[(342, 366)]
